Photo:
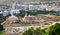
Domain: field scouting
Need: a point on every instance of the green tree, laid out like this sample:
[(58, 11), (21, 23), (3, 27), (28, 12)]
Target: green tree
[(55, 29), (1, 27), (29, 32), (38, 31)]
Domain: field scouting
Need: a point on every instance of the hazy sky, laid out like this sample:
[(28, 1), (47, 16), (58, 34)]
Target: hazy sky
[(21, 0), (27, 0)]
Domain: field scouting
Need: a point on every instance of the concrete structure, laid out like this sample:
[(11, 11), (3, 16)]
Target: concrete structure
[(35, 6)]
